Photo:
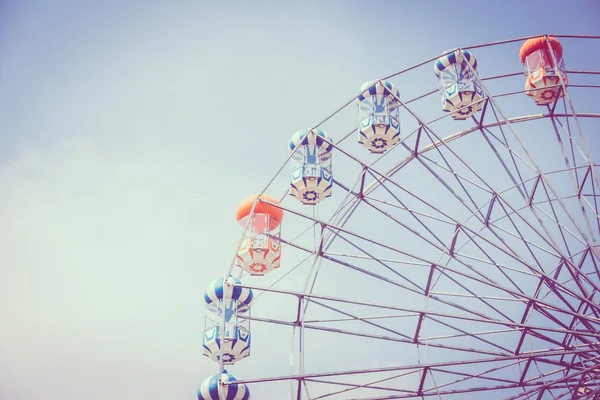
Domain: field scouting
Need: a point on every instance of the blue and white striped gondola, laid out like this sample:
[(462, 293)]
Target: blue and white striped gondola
[(226, 289), (461, 94), (209, 390), (235, 346), (310, 177), (378, 114), (230, 343)]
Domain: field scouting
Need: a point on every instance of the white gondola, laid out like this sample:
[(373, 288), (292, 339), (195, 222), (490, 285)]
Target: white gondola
[(462, 96), (229, 303), (378, 115), (225, 384), (311, 178)]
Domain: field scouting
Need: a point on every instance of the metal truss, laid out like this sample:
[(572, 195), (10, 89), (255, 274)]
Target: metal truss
[(472, 255)]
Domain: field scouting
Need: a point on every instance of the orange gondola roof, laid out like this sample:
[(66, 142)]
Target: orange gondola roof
[(538, 43), (245, 206)]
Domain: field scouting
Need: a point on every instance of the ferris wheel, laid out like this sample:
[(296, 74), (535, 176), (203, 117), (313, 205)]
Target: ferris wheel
[(438, 238)]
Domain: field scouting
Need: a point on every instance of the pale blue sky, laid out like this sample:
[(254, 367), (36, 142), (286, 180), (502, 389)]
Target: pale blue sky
[(130, 130)]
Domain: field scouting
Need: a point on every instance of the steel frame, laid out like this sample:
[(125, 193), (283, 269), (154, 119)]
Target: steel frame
[(560, 315)]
